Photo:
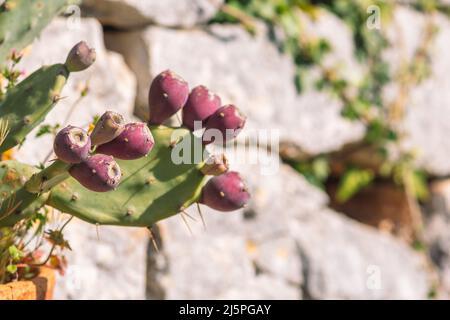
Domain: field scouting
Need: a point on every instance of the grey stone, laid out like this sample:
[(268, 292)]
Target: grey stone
[(288, 245), (426, 121), (111, 85), (343, 259), (138, 13), (108, 263), (437, 221), (245, 70)]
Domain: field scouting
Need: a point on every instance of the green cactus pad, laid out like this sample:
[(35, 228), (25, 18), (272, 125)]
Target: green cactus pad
[(152, 188), (22, 20), (15, 202), (27, 104)]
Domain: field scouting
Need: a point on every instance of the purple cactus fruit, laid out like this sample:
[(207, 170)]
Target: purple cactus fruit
[(72, 145), (99, 173), (226, 192), (215, 165), (200, 105), (168, 94), (80, 57), (109, 126), (227, 120), (134, 142)]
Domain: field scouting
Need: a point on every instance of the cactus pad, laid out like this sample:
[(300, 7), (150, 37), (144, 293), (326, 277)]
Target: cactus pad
[(15, 201), (152, 188), (22, 20), (27, 104)]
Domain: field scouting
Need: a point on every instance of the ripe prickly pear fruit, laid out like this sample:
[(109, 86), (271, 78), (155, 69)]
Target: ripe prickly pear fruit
[(109, 126), (227, 120), (168, 94), (200, 105), (99, 173), (226, 192), (215, 165), (134, 142), (80, 57), (72, 145)]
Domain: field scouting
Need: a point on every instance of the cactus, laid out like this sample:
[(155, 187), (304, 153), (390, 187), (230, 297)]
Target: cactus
[(15, 201), (26, 105), (152, 187), (22, 20), (36, 96)]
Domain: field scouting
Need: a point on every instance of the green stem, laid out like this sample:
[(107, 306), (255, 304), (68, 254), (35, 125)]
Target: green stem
[(47, 178)]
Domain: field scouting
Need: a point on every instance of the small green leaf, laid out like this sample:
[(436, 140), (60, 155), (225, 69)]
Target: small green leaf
[(352, 182), (12, 268), (15, 253)]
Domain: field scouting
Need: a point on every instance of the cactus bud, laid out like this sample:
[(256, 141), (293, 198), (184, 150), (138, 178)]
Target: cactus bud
[(200, 105), (109, 126), (72, 145), (134, 142), (226, 192), (80, 57), (215, 165), (227, 120), (99, 173), (168, 94)]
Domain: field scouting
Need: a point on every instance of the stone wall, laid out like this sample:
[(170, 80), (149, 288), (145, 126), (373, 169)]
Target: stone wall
[(287, 244)]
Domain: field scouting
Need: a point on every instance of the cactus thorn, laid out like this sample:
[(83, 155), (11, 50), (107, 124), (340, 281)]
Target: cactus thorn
[(188, 215), (201, 215), (97, 230), (186, 222), (153, 239)]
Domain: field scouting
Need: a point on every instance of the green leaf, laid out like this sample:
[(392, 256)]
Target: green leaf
[(15, 253), (352, 182), (419, 185), (12, 268)]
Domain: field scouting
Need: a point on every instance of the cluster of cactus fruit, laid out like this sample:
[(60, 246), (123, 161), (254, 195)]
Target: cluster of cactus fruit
[(121, 173)]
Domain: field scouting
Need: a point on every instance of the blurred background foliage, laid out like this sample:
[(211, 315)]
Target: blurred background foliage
[(362, 101)]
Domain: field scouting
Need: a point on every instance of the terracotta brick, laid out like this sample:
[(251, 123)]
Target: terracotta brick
[(23, 290), (5, 292)]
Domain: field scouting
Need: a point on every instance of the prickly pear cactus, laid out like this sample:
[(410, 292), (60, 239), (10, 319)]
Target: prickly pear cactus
[(27, 104), (15, 201), (152, 188), (22, 20)]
